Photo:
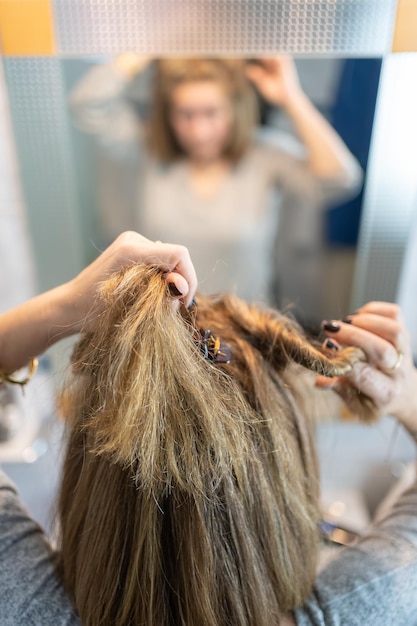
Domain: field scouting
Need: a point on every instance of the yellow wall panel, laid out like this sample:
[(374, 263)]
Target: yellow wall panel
[(26, 27), (405, 34)]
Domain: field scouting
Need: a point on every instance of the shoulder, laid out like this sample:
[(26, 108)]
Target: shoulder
[(377, 576), (30, 588)]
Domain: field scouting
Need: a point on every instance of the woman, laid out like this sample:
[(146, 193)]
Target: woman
[(191, 169), (243, 442)]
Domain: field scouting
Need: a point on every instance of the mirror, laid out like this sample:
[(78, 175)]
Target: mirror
[(347, 43), (76, 209)]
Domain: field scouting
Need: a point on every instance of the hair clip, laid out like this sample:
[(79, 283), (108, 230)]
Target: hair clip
[(212, 348)]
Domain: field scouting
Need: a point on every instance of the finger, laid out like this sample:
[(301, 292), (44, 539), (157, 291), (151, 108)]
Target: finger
[(323, 382), (379, 351), (387, 328), (184, 266), (373, 383), (178, 286), (348, 394), (176, 259), (330, 346), (129, 247), (171, 258), (386, 309)]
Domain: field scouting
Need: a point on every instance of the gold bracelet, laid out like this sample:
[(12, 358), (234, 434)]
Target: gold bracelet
[(7, 378)]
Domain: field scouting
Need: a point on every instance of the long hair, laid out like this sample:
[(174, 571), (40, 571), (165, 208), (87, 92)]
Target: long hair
[(190, 489), (230, 74)]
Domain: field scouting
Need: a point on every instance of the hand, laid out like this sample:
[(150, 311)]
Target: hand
[(389, 378), (129, 248), (276, 79), (129, 64), (27, 330)]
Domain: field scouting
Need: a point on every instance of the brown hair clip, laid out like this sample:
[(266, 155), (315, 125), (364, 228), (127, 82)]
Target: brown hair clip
[(212, 348)]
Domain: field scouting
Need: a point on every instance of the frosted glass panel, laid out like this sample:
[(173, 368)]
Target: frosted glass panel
[(41, 128), (391, 193), (358, 27)]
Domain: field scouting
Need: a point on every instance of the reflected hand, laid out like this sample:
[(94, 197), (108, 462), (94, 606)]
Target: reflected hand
[(389, 378), (129, 248), (129, 64), (276, 79)]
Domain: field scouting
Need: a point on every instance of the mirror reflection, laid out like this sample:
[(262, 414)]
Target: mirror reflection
[(256, 165)]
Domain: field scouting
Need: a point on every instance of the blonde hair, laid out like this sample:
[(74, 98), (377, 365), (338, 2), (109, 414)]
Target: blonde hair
[(230, 74), (190, 489)]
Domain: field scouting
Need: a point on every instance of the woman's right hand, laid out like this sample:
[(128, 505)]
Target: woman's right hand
[(276, 78), (27, 330), (389, 377), (129, 248)]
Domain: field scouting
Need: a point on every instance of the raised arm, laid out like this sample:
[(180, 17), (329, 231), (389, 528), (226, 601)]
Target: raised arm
[(99, 104), (327, 155), (30, 328)]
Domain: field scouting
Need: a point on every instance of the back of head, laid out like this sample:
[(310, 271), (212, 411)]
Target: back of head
[(190, 488)]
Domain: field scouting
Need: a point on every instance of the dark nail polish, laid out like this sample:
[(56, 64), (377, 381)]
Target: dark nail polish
[(173, 289), (192, 304), (347, 320), (330, 345), (331, 327)]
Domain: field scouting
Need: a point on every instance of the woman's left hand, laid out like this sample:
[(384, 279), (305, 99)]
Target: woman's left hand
[(389, 377), (276, 79)]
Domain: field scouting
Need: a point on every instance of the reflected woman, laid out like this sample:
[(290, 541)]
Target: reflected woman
[(196, 171)]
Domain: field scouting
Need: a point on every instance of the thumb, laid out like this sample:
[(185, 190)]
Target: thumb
[(177, 284)]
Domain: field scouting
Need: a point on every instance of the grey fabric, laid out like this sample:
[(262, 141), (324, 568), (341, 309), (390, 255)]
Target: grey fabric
[(371, 584), (31, 593), (270, 199), (375, 582)]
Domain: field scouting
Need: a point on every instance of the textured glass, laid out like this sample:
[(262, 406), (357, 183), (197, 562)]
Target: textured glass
[(345, 27), (41, 131), (391, 191)]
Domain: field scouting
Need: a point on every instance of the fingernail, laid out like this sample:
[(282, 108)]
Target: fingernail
[(173, 290), (330, 345), (323, 387), (192, 304), (347, 320), (331, 327)]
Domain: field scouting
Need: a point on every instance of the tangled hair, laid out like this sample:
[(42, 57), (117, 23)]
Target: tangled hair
[(190, 489), (230, 74)]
